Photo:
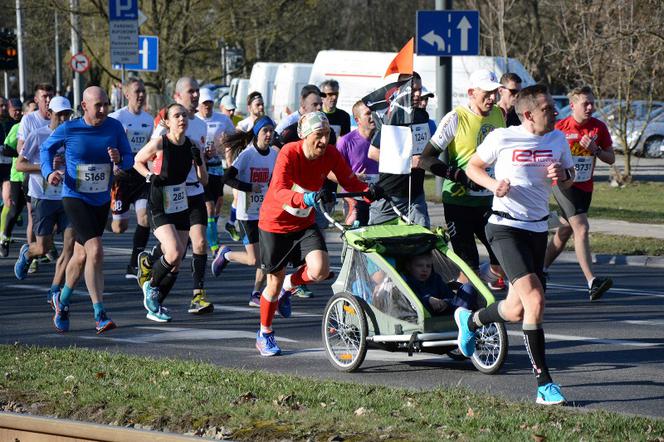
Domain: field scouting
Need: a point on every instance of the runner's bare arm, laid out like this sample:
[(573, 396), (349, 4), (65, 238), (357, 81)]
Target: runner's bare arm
[(23, 165), (476, 171), (147, 153)]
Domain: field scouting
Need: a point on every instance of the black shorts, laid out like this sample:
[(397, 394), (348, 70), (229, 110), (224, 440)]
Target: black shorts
[(464, 223), (249, 232), (214, 189), (160, 218), (88, 221), (197, 210), (5, 172), (519, 251), (129, 190), (572, 201), (279, 249)]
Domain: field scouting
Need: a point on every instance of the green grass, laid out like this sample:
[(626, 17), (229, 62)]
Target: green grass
[(623, 245), (186, 396), (639, 202)]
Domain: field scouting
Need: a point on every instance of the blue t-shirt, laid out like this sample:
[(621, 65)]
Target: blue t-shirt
[(89, 171)]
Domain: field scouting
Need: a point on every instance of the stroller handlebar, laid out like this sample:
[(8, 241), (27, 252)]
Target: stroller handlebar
[(343, 228)]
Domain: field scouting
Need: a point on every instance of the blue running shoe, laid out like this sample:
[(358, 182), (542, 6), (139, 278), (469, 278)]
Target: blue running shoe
[(255, 299), (284, 303), (61, 316), (550, 394), (219, 262), (466, 337), (266, 344), (22, 263), (104, 323), (150, 297), (160, 315), (49, 297)]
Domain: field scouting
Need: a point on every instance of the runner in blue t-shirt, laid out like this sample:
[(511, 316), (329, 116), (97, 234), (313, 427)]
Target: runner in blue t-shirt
[(96, 148)]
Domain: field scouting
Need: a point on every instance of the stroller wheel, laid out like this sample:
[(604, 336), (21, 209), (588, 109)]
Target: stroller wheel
[(345, 332), (490, 348)]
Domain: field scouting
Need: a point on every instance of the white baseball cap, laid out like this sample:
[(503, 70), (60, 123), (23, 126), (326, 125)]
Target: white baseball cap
[(206, 95), (228, 103), (59, 104), (426, 93), (483, 79)]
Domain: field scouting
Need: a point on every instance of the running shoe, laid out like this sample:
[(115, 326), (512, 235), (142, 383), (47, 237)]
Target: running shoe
[(550, 394), (266, 344), (61, 316), (131, 272), (302, 291), (232, 231), (161, 315), (52, 255), (144, 272), (49, 297), (150, 297), (599, 287), (34, 266), (284, 303), (200, 305), (104, 323), (498, 284), (220, 262), (22, 263), (466, 336), (4, 248), (255, 299)]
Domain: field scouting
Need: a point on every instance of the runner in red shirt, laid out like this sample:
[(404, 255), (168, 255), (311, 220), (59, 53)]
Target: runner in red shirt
[(588, 139), (287, 226)]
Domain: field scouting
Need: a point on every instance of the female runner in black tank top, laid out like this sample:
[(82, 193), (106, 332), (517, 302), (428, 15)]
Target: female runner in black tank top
[(167, 203)]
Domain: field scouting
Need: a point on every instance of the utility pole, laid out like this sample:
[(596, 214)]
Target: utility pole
[(19, 46), (443, 86), (75, 49), (58, 61)]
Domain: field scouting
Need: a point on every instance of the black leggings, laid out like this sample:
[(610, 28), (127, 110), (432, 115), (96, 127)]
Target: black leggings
[(17, 197)]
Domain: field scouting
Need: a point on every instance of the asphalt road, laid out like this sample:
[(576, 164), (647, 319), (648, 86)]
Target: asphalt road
[(606, 355)]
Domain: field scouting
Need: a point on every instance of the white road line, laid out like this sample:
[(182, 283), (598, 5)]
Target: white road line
[(172, 334), (570, 338), (44, 289), (612, 290), (652, 322)]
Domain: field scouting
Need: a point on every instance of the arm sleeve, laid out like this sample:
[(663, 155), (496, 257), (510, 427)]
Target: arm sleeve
[(230, 178), (446, 131), (49, 148)]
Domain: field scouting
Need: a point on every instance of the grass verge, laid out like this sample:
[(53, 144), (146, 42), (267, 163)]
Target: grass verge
[(623, 245), (186, 396)]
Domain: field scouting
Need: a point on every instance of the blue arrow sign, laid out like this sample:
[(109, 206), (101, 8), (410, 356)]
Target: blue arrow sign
[(447, 33), (148, 55)]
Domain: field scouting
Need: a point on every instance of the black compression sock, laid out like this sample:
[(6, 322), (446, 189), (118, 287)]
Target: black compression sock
[(156, 253), (485, 316), (535, 345), (166, 285), (160, 269), (141, 236), (198, 265)]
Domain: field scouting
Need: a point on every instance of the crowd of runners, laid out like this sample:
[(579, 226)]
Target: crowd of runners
[(500, 156)]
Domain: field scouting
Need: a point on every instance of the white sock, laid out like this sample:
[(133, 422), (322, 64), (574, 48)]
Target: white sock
[(590, 283), (287, 283), (227, 256)]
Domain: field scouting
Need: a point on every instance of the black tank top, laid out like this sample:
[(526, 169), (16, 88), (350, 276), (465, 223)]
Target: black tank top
[(176, 161)]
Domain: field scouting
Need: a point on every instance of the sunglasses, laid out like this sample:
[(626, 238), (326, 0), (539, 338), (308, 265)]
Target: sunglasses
[(512, 91)]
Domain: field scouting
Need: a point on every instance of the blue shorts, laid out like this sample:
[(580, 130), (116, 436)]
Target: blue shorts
[(46, 214)]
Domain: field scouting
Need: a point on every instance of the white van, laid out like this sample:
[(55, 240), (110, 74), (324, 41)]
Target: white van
[(360, 73), (288, 83), (262, 80), (239, 92)]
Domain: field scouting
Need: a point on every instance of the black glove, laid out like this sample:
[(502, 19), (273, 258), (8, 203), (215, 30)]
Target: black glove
[(157, 180), (196, 153), (375, 192), (9, 152), (459, 176), (325, 196)]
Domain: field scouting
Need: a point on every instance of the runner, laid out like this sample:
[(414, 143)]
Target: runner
[(256, 108), (218, 125), (227, 108), (287, 228), (510, 86), (528, 160), (172, 155), (466, 205), (94, 146), (187, 95), (10, 117), (46, 200), (588, 139), (250, 175), (130, 188), (354, 148)]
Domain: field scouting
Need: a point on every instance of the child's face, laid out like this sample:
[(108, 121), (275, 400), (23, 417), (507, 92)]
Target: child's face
[(421, 267)]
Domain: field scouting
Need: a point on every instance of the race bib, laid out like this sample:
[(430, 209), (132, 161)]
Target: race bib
[(484, 192), (254, 201), (137, 139), (421, 137), (175, 198), (92, 178), (583, 166)]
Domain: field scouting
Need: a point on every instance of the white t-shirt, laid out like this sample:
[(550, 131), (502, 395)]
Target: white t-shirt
[(523, 158), (217, 125), (37, 186), (253, 167), (287, 121), (246, 125), (31, 122), (196, 132), (138, 127)]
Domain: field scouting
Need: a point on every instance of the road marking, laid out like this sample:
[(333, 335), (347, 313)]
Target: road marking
[(653, 322), (171, 334), (229, 308), (625, 342), (612, 290), (44, 289)]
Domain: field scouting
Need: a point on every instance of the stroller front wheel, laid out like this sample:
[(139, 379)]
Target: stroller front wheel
[(345, 332), (490, 348)]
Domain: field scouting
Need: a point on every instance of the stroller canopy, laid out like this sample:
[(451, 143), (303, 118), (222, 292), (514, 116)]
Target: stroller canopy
[(394, 240)]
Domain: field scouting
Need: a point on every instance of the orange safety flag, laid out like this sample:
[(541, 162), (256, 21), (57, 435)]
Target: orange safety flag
[(403, 62)]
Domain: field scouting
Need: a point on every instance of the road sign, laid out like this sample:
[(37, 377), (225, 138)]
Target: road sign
[(148, 55), (79, 63), (123, 29), (446, 33)]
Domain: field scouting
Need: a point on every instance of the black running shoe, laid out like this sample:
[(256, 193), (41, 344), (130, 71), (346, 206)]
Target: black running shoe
[(599, 287)]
